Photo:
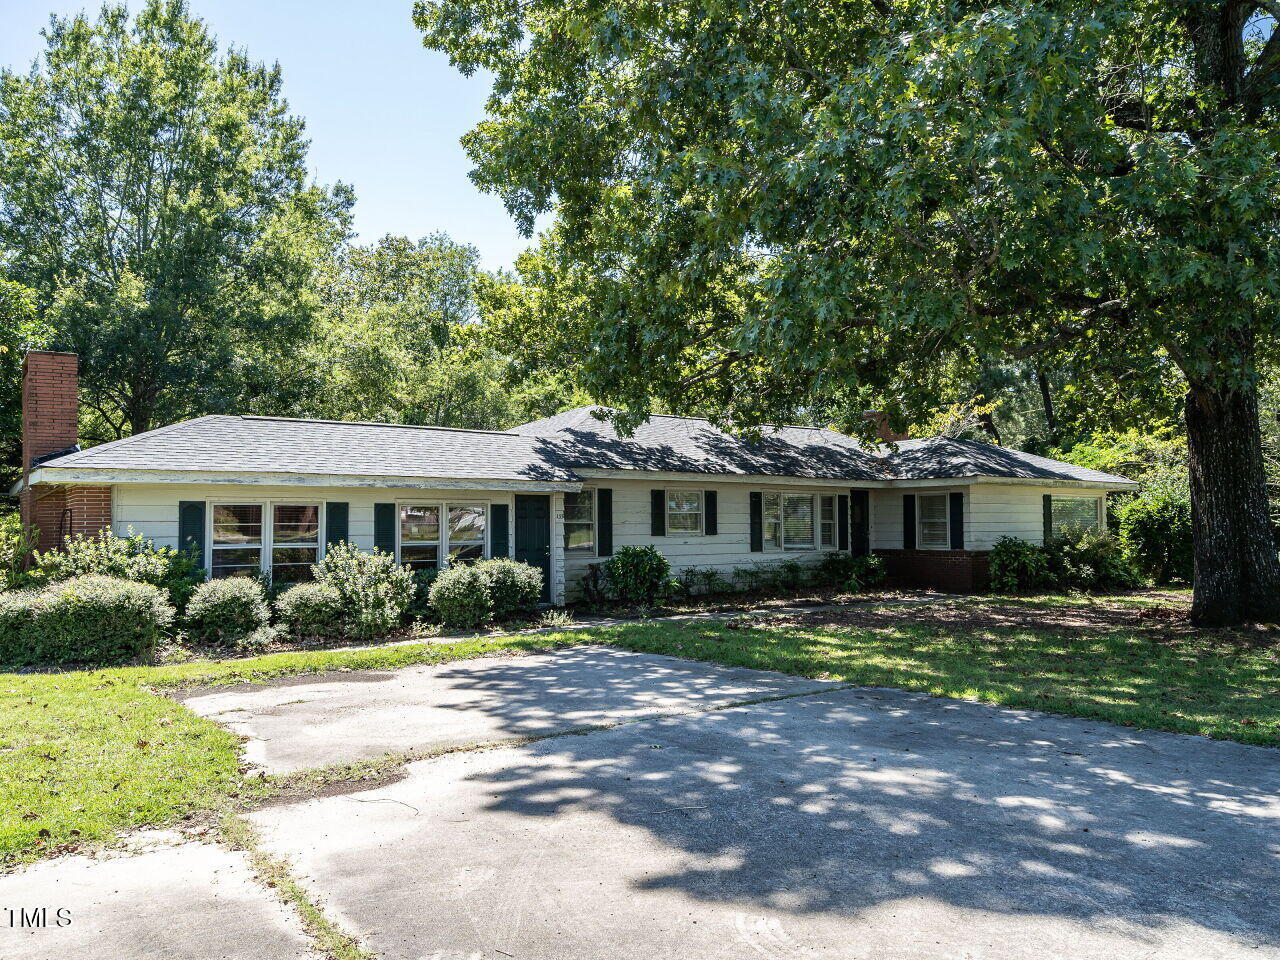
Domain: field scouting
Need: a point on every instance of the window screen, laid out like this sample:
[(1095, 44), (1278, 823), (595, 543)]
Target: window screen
[(1076, 512)]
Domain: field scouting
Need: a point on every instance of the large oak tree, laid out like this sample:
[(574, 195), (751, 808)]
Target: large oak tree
[(155, 198), (760, 201)]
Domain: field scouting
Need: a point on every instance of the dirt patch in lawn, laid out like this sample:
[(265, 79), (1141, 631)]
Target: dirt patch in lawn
[(1154, 613)]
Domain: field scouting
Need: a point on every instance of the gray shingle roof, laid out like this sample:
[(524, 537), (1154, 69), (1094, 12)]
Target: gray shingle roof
[(690, 445), (550, 450), (272, 445)]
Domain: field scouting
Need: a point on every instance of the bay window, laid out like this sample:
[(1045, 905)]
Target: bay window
[(580, 522), (684, 511), (934, 526)]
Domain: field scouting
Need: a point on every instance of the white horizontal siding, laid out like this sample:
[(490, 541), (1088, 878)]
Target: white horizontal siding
[(727, 550), (1007, 510)]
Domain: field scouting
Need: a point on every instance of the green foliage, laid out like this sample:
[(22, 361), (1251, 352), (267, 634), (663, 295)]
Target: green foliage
[(637, 574), (700, 581), (130, 558), (20, 330), (420, 608), (232, 611), (16, 544), (1155, 528), (1017, 566), (514, 587), (1157, 453), (461, 597), (373, 592), (1082, 559), (308, 610), (156, 199), (90, 619), (866, 573)]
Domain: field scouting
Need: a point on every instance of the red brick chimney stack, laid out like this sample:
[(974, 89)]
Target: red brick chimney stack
[(50, 424), (884, 432)]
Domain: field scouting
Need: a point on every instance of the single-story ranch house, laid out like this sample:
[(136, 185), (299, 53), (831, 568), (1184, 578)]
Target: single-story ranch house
[(270, 492)]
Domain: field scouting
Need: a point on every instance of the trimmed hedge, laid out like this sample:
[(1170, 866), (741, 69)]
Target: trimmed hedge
[(128, 558), (374, 593), (638, 575), (461, 597), (91, 620), (233, 612), (514, 586), (310, 610)]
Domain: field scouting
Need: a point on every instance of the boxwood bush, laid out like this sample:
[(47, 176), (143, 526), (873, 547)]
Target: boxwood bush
[(90, 620), (513, 586), (638, 575), (310, 610), (461, 597), (232, 612), (128, 558), (373, 591)]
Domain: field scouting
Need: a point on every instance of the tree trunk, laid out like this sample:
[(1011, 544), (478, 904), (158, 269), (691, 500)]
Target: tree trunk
[(1237, 574), (1046, 397)]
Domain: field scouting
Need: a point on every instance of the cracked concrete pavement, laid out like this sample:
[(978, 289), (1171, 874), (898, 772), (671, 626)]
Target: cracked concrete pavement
[(837, 822)]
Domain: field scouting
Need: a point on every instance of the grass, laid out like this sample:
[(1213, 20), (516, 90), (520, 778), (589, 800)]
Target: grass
[(86, 755)]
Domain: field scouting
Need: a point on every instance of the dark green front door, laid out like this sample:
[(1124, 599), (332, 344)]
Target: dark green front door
[(533, 536), (859, 522)]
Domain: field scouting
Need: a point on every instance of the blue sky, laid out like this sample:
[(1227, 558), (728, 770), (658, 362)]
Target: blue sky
[(384, 114)]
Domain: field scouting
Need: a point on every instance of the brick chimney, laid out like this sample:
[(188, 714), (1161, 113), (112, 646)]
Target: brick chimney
[(884, 432), (50, 424)]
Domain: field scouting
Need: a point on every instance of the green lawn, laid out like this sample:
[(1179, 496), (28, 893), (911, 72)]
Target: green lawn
[(85, 755)]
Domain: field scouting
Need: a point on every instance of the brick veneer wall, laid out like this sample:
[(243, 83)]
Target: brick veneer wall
[(50, 422), (955, 571)]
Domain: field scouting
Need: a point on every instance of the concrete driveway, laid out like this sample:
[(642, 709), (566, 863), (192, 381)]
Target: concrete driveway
[(824, 822)]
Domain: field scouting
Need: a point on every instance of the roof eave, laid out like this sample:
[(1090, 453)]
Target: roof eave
[(107, 475)]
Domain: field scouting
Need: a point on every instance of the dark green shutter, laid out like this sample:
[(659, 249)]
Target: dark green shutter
[(909, 521), (191, 528), (1048, 518), (757, 522), (860, 522), (604, 522), (499, 530), (336, 525), (384, 527), (842, 522), (658, 513), (710, 522), (957, 521)]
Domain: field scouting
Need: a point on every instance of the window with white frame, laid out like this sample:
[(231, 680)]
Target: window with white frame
[(580, 522), (772, 503), (466, 532), (790, 522), (1076, 512), (236, 541), (420, 535), (827, 522), (934, 526), (797, 521), (295, 541), (684, 511), (432, 534)]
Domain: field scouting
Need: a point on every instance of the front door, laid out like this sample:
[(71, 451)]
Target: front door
[(533, 535), (859, 522)]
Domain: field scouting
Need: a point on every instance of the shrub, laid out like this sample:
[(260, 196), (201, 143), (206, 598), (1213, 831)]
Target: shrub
[(374, 592), (461, 597), (789, 575), (865, 572), (699, 581), (1017, 565), (1087, 559), (232, 612), (420, 607), (638, 574), (15, 545), (310, 610), (128, 558), (1155, 530), (513, 586), (90, 619)]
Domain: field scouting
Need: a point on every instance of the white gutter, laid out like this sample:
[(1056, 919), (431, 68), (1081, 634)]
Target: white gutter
[(246, 478)]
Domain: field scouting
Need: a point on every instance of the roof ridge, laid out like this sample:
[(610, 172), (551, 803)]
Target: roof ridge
[(374, 423)]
